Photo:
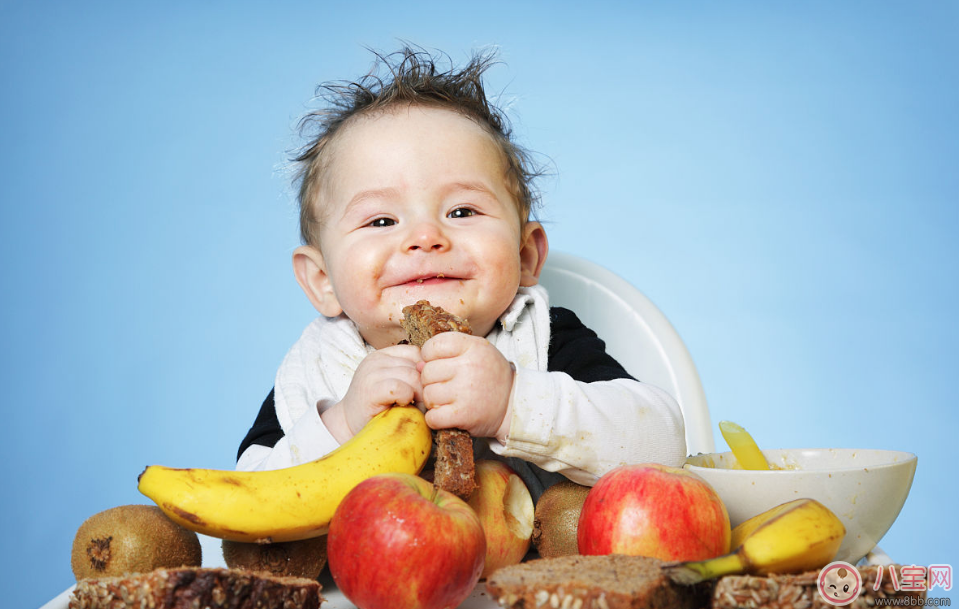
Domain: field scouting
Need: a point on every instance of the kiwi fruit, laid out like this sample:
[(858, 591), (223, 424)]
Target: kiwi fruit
[(303, 558), (131, 539), (556, 519)]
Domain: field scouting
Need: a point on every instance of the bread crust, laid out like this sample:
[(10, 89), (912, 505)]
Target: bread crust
[(422, 321), (191, 587), (601, 582), (455, 470), (802, 590)]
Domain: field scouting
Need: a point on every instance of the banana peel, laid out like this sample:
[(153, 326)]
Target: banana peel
[(743, 446), (797, 536)]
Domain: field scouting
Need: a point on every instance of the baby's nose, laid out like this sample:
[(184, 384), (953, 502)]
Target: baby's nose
[(427, 236)]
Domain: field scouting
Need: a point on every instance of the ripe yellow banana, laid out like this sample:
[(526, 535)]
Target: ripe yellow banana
[(801, 535), (292, 503)]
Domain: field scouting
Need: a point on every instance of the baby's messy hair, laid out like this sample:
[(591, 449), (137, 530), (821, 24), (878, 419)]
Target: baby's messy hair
[(408, 76)]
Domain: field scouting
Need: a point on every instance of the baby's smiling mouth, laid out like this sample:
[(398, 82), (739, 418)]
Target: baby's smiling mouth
[(430, 279)]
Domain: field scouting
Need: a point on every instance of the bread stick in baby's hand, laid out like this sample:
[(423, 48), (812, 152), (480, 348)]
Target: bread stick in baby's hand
[(454, 447)]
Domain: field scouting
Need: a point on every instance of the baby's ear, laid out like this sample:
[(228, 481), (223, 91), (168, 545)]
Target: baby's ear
[(310, 270), (532, 253)]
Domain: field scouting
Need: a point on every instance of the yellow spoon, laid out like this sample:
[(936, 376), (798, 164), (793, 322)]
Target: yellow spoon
[(743, 446)]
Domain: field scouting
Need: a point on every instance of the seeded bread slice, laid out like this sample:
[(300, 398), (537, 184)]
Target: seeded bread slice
[(189, 588), (593, 582), (801, 591)]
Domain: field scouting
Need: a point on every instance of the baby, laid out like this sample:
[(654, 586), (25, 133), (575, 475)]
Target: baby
[(413, 190)]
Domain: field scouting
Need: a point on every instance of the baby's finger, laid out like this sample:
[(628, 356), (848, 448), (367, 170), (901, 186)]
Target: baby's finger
[(446, 344), (444, 417), (393, 391), (438, 394), (438, 371), (406, 352), (405, 372)]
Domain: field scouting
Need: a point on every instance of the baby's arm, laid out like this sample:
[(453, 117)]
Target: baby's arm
[(583, 430), (582, 418), (382, 378), (587, 415), (266, 446)]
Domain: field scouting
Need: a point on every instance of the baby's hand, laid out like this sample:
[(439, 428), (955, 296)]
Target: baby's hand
[(385, 377), (466, 384)]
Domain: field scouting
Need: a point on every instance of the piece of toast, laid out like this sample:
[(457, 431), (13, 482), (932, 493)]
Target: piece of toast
[(802, 591), (191, 587), (455, 471), (615, 581)]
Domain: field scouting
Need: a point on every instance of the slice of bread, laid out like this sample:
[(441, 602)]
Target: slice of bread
[(593, 582), (802, 590), (455, 468), (188, 588), (422, 321)]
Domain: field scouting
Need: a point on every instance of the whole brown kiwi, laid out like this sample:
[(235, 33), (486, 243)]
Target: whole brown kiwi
[(304, 558), (131, 539), (556, 519)]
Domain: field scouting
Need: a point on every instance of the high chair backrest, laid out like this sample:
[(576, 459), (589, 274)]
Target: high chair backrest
[(636, 333)]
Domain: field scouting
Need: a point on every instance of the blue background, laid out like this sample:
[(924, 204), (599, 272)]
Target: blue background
[(779, 178)]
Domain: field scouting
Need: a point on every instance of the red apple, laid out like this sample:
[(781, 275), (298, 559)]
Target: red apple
[(398, 542), (654, 510), (505, 509)]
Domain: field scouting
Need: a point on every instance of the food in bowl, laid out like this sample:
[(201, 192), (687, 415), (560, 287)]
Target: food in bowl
[(865, 488)]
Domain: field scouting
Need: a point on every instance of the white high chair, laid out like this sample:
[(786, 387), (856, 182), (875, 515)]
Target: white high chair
[(636, 333)]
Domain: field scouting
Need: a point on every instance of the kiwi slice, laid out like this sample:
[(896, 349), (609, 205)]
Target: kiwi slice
[(303, 558), (556, 519), (131, 539)]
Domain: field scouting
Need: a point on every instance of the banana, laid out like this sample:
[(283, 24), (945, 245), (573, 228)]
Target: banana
[(801, 535), (744, 448), (295, 502)]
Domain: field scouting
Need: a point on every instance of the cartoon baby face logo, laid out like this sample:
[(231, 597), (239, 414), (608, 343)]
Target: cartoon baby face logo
[(839, 583)]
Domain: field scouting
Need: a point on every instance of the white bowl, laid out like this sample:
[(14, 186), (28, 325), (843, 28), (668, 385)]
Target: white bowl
[(866, 489)]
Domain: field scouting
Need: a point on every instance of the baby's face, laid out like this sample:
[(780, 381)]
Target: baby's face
[(417, 207)]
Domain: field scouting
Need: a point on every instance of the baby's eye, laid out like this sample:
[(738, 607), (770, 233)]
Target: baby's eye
[(382, 222), (461, 212)]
